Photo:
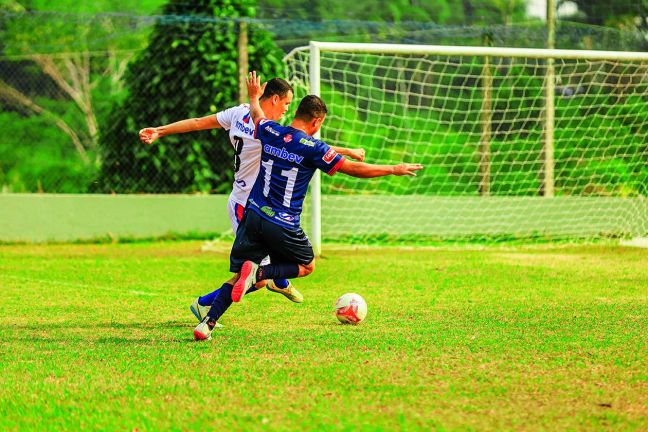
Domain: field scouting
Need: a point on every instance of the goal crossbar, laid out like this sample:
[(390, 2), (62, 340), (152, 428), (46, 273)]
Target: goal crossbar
[(477, 51)]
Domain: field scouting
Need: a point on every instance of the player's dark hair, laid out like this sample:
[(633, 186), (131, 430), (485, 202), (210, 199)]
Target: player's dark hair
[(277, 86), (311, 107)]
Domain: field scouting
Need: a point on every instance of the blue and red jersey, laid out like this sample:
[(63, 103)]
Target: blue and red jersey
[(289, 158)]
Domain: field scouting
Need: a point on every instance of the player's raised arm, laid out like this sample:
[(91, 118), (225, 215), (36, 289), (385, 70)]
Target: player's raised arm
[(151, 134), (365, 170), (255, 91), (357, 154)]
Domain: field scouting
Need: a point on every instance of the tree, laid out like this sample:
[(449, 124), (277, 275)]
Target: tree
[(624, 14), (428, 11), (189, 69), (628, 16), (11, 6), (493, 11), (60, 43)]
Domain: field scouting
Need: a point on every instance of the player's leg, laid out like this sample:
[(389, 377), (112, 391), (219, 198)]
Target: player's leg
[(284, 269), (281, 286), (248, 250), (246, 247), (201, 305), (235, 212), (261, 283), (218, 307), (291, 253), (222, 301)]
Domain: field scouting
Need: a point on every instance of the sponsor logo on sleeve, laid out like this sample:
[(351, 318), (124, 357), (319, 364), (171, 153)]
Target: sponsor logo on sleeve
[(329, 156), (306, 142), (272, 131)]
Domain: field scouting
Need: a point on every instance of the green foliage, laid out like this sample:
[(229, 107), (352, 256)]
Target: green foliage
[(188, 70), (436, 11), (56, 69), (74, 26), (601, 152), (618, 13), (91, 6), (38, 158)]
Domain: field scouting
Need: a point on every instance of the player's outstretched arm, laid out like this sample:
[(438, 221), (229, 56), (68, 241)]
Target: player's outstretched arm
[(151, 134), (364, 170), (357, 154), (255, 91)]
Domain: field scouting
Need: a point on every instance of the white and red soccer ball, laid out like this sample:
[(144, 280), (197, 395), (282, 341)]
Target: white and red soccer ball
[(350, 309)]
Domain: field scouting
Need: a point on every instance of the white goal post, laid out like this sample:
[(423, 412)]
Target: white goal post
[(517, 143)]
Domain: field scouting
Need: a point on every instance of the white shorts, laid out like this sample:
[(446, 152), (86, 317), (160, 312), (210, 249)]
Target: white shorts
[(235, 212)]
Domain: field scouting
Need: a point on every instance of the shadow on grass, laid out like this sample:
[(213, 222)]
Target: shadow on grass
[(99, 325), (64, 334), (56, 333)]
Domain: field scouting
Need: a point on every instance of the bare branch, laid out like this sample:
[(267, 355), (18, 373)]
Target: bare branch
[(78, 71), (12, 95), (49, 67), (73, 66)]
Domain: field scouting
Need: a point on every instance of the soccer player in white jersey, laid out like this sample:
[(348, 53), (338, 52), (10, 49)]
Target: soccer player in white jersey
[(275, 100), (271, 221)]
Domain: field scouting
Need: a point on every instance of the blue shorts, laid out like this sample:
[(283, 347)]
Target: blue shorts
[(257, 238)]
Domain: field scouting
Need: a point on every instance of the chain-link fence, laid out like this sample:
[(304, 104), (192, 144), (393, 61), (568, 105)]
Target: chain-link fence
[(64, 79)]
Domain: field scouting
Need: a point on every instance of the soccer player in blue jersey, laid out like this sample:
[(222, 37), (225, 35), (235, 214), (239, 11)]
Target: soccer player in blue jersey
[(275, 100), (271, 222)]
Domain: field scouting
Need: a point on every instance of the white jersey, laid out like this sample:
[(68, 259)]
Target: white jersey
[(247, 150)]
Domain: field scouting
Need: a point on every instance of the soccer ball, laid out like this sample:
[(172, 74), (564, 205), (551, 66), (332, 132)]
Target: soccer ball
[(350, 309)]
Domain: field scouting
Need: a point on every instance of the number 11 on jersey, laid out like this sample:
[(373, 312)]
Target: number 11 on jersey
[(290, 174)]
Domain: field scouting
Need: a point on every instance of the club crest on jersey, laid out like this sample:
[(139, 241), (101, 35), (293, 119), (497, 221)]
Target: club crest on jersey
[(246, 118), (287, 138), (329, 156)]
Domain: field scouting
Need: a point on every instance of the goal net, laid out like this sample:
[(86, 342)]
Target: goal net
[(517, 144)]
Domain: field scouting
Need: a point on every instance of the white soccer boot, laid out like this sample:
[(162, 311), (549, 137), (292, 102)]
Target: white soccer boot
[(204, 330), (200, 311), (246, 280)]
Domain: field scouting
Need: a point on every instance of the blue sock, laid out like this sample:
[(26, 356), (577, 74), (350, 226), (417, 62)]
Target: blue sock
[(223, 300), (278, 271), (208, 299), (281, 283)]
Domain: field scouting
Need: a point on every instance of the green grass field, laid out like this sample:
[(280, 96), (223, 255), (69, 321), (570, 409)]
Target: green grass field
[(537, 338)]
